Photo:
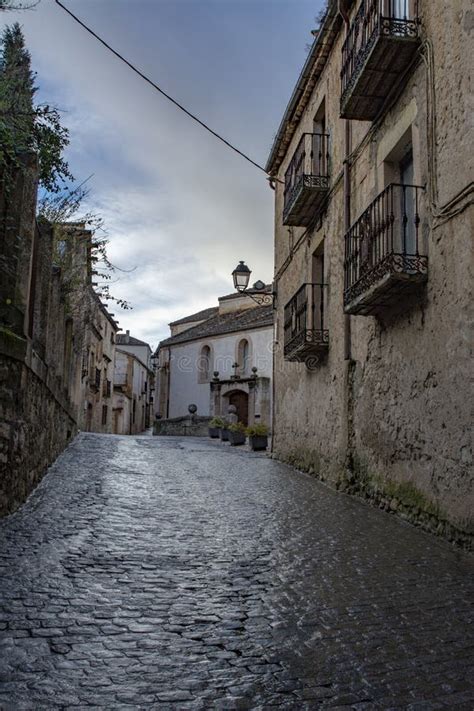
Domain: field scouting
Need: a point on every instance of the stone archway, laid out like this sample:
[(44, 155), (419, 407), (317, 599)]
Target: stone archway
[(240, 400)]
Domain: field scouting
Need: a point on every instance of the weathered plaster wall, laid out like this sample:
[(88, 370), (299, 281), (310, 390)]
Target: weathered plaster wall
[(143, 353), (131, 397), (393, 423)]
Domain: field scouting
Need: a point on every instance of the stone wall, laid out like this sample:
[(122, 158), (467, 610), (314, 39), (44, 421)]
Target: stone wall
[(391, 422), (192, 426), (35, 427), (37, 361)]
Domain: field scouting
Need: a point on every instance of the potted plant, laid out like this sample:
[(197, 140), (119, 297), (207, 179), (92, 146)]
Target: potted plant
[(237, 433), (215, 425), (224, 431), (258, 436)]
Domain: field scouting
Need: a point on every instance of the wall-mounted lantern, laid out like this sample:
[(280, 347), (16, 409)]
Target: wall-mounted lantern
[(241, 277)]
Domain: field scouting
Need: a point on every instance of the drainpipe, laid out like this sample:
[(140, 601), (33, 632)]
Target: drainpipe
[(347, 224), (347, 191), (347, 319)]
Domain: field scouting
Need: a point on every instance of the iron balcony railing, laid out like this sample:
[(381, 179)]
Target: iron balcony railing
[(386, 239), (305, 322), (374, 18), (309, 167)]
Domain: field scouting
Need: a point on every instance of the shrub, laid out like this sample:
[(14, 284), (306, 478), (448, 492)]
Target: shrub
[(237, 427), (258, 430), (217, 422)]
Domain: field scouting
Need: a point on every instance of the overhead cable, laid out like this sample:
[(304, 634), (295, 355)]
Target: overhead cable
[(157, 88)]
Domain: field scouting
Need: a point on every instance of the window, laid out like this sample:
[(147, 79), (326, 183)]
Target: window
[(67, 358), (61, 248), (204, 365), (400, 9), (317, 302), (320, 141), (92, 365), (104, 414), (404, 208), (243, 357)]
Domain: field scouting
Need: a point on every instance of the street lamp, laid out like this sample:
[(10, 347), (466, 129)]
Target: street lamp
[(241, 277)]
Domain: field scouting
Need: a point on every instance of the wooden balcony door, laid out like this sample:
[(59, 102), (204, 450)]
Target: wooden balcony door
[(407, 207)]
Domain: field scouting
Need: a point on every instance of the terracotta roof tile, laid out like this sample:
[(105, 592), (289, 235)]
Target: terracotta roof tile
[(257, 317), (199, 316), (124, 340)]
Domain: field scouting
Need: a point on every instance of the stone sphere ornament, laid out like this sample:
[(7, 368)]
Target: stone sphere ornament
[(232, 409), (192, 409)]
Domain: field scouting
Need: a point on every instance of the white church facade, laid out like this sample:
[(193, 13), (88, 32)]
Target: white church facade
[(216, 358)]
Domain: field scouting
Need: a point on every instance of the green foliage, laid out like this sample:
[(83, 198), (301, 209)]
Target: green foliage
[(258, 430), (7, 334), (25, 127), (217, 422), (237, 427)]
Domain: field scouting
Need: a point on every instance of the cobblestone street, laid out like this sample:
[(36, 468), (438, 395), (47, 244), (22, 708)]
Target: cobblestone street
[(183, 574)]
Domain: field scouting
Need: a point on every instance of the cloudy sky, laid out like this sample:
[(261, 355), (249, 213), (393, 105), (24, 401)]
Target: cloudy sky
[(181, 209)]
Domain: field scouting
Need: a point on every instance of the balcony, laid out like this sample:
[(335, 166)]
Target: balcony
[(306, 180), (381, 43), (306, 338), (385, 255)]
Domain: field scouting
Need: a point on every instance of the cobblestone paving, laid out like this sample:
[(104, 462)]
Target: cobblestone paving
[(182, 574)]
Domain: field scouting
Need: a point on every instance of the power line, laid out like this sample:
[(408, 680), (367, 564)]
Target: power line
[(157, 88)]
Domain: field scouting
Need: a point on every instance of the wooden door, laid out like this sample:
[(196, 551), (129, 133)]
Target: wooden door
[(241, 402)]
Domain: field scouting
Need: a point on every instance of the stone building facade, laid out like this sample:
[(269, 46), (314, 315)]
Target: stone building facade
[(47, 308), (37, 413), (133, 385), (97, 376), (373, 176), (216, 358), (92, 328)]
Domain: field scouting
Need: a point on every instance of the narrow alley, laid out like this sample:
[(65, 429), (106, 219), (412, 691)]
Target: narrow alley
[(180, 573)]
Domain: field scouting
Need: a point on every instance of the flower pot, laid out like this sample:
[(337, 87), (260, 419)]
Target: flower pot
[(224, 433), (214, 432), (258, 442), (236, 438)]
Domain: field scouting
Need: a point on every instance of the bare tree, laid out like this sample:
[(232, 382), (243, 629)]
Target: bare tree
[(64, 211), (15, 5)]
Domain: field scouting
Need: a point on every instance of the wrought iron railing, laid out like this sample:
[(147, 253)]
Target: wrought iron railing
[(386, 237), (305, 318), (390, 18), (309, 166)]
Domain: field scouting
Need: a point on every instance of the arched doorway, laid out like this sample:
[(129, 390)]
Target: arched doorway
[(240, 400)]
